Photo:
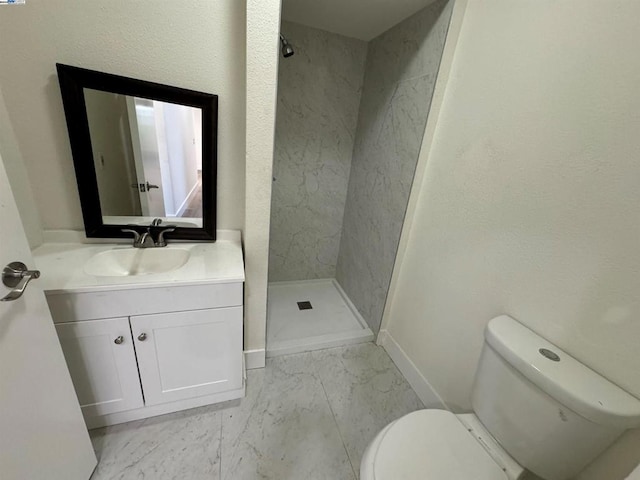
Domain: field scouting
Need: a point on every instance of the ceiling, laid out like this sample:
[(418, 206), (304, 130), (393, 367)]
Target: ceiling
[(363, 19)]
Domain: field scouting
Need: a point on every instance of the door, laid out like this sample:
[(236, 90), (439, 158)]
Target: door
[(188, 354), (42, 433), (147, 155), (102, 364)]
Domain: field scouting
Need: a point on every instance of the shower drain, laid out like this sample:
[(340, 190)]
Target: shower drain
[(306, 305)]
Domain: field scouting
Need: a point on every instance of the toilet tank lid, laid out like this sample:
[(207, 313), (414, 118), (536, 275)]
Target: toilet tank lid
[(564, 378)]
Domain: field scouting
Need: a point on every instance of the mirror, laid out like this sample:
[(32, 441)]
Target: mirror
[(141, 151)]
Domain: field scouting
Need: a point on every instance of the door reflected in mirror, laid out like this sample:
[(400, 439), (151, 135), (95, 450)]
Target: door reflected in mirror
[(147, 156)]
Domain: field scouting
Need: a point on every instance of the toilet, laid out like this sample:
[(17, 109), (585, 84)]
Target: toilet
[(535, 409)]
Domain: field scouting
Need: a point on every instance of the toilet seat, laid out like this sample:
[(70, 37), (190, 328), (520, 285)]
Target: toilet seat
[(428, 445)]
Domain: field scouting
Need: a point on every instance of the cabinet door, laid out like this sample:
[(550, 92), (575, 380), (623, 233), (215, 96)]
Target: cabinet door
[(102, 363), (188, 354)]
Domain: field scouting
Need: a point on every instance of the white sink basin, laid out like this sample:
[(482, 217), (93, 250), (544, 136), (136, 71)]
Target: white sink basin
[(136, 261)]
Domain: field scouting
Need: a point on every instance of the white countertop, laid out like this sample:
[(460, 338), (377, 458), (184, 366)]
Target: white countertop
[(62, 266)]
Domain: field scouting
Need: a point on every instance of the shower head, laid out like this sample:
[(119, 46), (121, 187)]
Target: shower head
[(287, 49)]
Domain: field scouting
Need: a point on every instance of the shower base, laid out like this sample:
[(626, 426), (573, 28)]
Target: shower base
[(310, 315)]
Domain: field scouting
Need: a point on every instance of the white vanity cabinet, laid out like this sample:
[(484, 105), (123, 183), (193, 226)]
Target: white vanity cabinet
[(179, 347), (142, 345)]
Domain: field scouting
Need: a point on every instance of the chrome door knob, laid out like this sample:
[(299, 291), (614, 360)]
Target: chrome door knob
[(119, 340), (142, 337)]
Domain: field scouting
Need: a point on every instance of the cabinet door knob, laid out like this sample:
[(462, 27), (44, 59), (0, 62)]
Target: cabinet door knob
[(119, 340), (142, 337)]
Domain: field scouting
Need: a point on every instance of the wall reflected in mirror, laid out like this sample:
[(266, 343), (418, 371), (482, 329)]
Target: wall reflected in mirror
[(147, 156)]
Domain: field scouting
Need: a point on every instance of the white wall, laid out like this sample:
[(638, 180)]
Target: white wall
[(17, 173), (180, 140), (263, 25), (529, 200), (197, 125), (198, 46)]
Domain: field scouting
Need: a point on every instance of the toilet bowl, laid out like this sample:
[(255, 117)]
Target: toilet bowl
[(437, 445), (535, 408)]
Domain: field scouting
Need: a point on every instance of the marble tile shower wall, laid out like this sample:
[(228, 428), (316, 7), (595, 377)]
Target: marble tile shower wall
[(400, 75), (319, 92)]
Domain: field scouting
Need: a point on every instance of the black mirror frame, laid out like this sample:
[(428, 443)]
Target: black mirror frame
[(73, 81)]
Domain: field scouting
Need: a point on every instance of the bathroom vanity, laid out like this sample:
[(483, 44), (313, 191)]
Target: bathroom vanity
[(147, 331)]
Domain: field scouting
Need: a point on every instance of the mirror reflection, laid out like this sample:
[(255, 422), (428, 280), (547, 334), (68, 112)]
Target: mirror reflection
[(147, 157)]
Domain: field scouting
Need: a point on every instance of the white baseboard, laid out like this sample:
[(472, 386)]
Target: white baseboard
[(254, 358), (418, 382)]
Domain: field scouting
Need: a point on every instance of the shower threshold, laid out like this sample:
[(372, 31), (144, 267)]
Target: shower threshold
[(308, 315)]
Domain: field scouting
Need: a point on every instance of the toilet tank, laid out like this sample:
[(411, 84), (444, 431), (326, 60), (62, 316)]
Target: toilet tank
[(551, 413)]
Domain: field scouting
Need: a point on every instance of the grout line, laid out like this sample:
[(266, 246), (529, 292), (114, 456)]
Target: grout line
[(335, 420)]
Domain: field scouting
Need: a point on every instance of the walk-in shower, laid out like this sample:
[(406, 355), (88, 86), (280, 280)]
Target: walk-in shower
[(350, 119)]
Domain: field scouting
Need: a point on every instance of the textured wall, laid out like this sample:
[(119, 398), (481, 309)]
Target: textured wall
[(400, 75), (17, 173), (198, 47), (263, 25), (318, 96), (529, 203)]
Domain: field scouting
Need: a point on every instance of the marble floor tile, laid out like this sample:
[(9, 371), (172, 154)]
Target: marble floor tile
[(183, 445), (366, 392), (306, 416), (284, 429)]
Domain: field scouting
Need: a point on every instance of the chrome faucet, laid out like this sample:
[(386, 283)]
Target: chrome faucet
[(141, 240), (145, 239)]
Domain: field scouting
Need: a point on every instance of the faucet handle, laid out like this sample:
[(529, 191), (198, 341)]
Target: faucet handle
[(161, 242), (136, 235)]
